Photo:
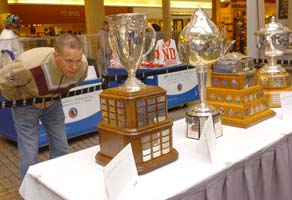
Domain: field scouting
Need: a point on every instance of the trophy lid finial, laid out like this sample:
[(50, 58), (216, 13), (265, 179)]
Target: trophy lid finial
[(273, 27)]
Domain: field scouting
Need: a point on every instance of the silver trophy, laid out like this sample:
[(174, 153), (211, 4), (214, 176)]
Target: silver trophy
[(274, 40), (202, 44), (127, 37)]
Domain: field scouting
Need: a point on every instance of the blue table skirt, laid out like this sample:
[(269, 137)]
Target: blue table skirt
[(84, 121)]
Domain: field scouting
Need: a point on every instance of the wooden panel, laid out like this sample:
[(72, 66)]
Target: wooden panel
[(56, 14)]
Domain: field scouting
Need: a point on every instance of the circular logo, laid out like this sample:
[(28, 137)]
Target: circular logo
[(179, 87), (73, 112)]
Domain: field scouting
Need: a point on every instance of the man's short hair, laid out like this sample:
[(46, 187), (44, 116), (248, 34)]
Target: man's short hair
[(67, 40), (105, 22)]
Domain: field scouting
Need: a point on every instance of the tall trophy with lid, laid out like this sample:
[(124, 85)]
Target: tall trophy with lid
[(202, 44), (273, 39), (134, 113)]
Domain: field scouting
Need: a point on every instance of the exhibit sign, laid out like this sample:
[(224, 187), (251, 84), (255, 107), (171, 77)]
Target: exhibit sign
[(82, 106), (181, 86)]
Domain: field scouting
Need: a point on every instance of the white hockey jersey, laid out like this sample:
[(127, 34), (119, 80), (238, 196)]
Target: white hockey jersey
[(166, 53)]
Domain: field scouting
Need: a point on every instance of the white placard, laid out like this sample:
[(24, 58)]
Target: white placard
[(91, 73), (82, 106), (120, 175), (209, 133), (178, 82), (286, 104)]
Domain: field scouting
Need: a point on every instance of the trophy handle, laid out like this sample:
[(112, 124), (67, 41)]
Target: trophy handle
[(275, 51), (271, 41), (110, 32), (153, 40)]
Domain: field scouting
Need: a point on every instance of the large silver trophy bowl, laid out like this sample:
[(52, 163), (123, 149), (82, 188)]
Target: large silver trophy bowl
[(127, 39), (202, 44)]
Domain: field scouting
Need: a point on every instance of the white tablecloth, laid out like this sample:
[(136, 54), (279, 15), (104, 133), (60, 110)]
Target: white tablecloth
[(78, 177)]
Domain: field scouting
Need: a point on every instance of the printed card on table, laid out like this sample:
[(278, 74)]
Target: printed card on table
[(120, 175), (209, 133), (286, 104), (91, 73)]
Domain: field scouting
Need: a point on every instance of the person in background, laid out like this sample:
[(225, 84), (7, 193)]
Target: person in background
[(150, 57), (156, 27), (104, 49), (9, 45), (43, 72)]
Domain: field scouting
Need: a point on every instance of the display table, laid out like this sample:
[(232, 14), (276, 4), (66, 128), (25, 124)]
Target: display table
[(252, 163), (78, 118), (179, 81)]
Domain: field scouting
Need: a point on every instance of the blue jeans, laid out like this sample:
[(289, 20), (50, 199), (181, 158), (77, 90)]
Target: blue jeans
[(26, 122)]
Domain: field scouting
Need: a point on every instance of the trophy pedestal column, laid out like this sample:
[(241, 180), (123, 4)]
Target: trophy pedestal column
[(199, 113), (196, 119)]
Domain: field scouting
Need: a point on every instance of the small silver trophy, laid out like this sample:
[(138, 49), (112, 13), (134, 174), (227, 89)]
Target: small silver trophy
[(127, 39), (202, 44), (274, 40)]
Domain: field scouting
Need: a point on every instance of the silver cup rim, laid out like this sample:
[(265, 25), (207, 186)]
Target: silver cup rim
[(126, 14)]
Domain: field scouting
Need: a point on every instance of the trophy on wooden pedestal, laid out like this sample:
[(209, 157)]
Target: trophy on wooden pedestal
[(202, 44), (235, 94), (274, 38), (134, 112)]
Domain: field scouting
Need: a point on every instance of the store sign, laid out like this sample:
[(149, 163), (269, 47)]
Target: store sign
[(74, 13), (49, 14)]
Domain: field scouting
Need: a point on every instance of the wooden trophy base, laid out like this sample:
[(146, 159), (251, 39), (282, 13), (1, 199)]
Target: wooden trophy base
[(139, 118), (273, 96), (240, 108), (274, 81), (259, 117), (233, 81)]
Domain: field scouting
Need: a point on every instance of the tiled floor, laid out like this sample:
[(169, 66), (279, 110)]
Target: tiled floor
[(9, 182)]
